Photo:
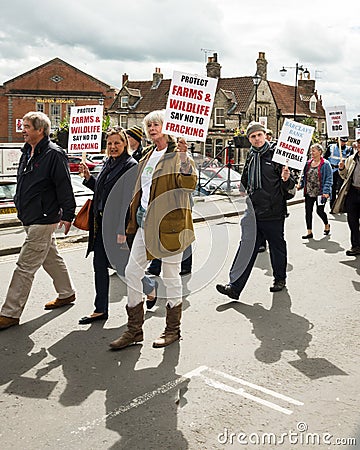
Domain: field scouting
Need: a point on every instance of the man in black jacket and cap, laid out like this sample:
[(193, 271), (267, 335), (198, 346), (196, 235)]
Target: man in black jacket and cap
[(267, 184), (44, 200), (135, 136)]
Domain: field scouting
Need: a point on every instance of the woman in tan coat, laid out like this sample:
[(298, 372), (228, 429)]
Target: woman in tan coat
[(161, 223)]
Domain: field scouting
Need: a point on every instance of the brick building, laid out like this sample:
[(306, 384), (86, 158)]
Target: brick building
[(51, 88), (234, 105), (56, 86)]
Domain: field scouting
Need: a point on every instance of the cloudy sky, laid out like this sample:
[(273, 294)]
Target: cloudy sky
[(109, 38)]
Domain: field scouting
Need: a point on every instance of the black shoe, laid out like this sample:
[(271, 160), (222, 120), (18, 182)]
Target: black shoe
[(262, 249), (353, 251), (327, 232), (151, 303), (307, 236), (151, 272), (185, 272), (227, 289), (90, 319), (278, 285)]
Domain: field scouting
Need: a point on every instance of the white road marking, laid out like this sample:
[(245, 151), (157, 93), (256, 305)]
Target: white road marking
[(241, 391), (198, 372), (138, 401), (255, 386)]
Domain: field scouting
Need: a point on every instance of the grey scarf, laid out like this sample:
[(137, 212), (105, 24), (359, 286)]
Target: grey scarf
[(254, 167)]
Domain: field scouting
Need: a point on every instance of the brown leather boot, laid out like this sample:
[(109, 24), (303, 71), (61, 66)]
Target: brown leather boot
[(134, 332), (172, 329)]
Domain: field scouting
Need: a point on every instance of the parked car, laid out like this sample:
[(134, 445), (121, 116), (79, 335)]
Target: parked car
[(219, 177), (7, 192), (74, 162), (97, 158), (81, 192)]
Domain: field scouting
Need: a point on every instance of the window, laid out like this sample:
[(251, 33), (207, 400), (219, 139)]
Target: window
[(124, 101), (323, 127), (220, 117), (123, 121), (55, 115), (312, 104), (40, 107), (68, 109), (218, 149), (209, 148)]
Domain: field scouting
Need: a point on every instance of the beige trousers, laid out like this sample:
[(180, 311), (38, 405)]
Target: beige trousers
[(39, 249)]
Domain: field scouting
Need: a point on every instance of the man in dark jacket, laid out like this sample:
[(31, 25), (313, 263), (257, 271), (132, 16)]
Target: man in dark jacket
[(267, 184), (44, 200), (135, 136)]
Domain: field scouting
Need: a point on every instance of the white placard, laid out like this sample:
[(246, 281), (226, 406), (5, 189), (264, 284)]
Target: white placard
[(263, 121), (189, 106), (357, 133), (9, 161), (293, 144), (85, 129), (336, 121)]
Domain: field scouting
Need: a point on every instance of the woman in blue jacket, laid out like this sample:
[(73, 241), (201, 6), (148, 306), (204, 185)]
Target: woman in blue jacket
[(317, 182)]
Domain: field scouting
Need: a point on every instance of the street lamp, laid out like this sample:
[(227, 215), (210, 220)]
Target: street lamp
[(256, 80), (297, 70)]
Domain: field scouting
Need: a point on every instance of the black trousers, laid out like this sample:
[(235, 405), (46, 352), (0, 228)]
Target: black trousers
[(337, 183), (253, 233), (186, 263), (320, 211), (352, 205)]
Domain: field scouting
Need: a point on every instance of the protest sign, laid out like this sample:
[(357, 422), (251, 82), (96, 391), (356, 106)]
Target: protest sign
[(189, 106), (19, 125), (357, 133), (293, 144), (85, 129), (336, 121), (263, 121)]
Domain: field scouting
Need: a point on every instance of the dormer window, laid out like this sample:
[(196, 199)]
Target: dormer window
[(124, 101), (312, 104)]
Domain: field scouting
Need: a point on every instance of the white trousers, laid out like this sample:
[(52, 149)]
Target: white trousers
[(135, 271)]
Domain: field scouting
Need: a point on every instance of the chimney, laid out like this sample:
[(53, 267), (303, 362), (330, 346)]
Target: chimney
[(261, 66), (125, 78), (307, 84), (213, 68), (157, 78)]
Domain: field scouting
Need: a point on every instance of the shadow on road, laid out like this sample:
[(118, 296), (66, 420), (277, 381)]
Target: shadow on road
[(278, 329), (325, 244), (17, 359), (88, 368)]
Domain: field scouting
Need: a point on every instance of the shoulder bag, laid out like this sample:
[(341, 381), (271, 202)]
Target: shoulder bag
[(82, 218)]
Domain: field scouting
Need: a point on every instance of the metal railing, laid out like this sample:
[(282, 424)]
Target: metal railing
[(201, 188)]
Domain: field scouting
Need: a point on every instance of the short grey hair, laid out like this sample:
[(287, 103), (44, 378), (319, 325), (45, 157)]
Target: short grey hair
[(39, 120), (318, 147), (157, 116)]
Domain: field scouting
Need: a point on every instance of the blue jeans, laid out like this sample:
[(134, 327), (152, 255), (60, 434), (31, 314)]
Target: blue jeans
[(253, 233)]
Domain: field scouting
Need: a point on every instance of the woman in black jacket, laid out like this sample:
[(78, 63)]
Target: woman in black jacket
[(119, 161)]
